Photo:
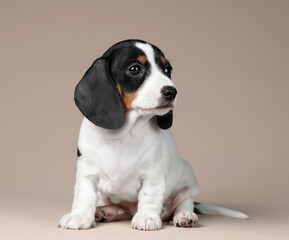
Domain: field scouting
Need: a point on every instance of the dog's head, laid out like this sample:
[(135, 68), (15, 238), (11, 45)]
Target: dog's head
[(130, 75)]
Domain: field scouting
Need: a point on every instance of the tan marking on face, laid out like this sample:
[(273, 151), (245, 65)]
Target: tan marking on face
[(119, 89), (127, 98), (163, 60), (142, 59)]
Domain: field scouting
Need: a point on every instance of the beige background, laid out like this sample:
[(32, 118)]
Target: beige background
[(231, 69)]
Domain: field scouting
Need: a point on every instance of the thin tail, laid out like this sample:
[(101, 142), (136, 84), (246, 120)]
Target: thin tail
[(216, 210)]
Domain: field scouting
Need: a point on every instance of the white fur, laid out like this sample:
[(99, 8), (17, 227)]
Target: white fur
[(137, 163)]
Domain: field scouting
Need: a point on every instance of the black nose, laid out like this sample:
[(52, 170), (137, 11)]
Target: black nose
[(169, 93)]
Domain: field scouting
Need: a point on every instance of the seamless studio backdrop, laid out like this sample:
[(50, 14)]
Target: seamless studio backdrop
[(231, 69)]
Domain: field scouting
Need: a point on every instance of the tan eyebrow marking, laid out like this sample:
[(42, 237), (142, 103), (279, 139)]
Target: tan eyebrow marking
[(163, 60), (127, 98), (142, 59)]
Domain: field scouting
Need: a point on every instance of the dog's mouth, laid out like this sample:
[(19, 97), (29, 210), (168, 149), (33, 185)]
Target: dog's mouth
[(168, 105), (160, 107)]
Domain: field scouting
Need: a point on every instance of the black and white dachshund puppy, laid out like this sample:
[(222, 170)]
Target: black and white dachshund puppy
[(128, 163)]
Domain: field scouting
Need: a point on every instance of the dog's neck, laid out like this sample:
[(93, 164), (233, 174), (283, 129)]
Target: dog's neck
[(135, 123)]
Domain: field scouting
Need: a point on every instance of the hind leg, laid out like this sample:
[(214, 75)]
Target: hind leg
[(111, 213), (184, 215)]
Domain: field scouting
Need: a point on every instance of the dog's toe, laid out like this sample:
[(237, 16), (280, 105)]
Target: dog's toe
[(108, 213), (146, 222), (185, 219), (76, 221)]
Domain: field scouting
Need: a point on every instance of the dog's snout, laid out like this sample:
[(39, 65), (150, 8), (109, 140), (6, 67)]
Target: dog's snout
[(169, 93)]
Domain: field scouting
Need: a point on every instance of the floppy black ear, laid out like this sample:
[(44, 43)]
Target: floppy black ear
[(97, 97), (165, 121)]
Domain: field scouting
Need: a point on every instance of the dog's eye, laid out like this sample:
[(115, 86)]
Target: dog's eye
[(135, 69), (168, 71)]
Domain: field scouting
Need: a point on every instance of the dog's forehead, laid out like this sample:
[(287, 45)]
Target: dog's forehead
[(132, 49), (147, 50), (153, 55)]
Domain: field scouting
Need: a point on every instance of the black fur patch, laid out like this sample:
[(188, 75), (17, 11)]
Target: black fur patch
[(165, 121), (97, 97), (196, 210), (162, 67), (120, 59), (78, 153)]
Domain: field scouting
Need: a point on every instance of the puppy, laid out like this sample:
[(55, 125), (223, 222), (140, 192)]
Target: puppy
[(128, 163)]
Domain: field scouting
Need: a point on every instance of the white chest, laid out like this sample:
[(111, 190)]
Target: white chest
[(120, 189), (120, 162)]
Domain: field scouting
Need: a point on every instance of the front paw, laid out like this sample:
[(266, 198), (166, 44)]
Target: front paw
[(76, 221), (146, 221)]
